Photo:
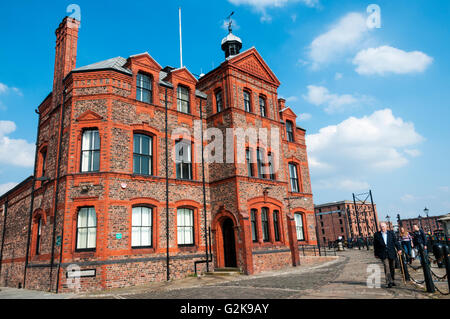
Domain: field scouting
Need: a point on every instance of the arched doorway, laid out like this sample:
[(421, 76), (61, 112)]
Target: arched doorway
[(229, 245)]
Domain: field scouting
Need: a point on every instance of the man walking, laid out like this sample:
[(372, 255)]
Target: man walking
[(384, 245), (419, 238)]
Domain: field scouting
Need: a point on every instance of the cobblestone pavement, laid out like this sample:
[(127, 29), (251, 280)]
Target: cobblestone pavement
[(343, 278)]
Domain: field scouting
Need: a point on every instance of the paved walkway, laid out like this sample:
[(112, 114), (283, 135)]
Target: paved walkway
[(342, 278)]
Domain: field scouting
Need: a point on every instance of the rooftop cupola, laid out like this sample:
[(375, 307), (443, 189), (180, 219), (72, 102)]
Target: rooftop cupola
[(231, 44)]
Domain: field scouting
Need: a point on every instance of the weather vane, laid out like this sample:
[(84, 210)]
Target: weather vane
[(230, 23)]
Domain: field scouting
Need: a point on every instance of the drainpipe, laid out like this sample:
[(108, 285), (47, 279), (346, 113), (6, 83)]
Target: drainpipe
[(30, 217), (3, 234), (167, 189), (57, 184)]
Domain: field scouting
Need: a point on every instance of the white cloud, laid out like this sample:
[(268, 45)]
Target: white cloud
[(445, 189), (338, 76), (320, 96), (304, 117), (4, 89), (373, 143), (347, 34), (16, 152), (386, 59), (413, 152), (261, 6), (6, 187)]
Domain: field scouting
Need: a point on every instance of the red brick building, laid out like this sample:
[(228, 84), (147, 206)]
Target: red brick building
[(339, 219), (109, 195), (428, 224)]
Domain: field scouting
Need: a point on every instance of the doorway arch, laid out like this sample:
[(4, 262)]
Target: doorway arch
[(229, 243), (225, 237)]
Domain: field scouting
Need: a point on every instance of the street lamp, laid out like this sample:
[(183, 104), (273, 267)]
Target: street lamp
[(420, 221), (388, 218), (426, 210)]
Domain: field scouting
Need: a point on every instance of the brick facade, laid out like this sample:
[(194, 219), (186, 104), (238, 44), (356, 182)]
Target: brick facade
[(105, 99), (339, 219)]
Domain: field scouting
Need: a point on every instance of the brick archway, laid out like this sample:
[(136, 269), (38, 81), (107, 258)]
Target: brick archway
[(225, 247)]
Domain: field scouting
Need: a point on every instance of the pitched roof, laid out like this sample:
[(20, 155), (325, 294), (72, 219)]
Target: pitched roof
[(116, 63)]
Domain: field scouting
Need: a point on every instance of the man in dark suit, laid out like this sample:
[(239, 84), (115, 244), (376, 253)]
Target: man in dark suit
[(385, 244)]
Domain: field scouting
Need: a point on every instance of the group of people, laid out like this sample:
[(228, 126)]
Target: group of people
[(387, 246)]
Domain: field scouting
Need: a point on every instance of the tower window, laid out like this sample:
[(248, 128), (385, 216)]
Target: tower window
[(142, 154), (219, 102), (90, 151), (289, 131), (262, 106), (86, 229), (183, 160), (293, 178), (247, 102)]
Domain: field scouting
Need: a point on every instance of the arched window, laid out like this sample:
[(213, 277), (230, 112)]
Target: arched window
[(276, 225), (142, 154), (142, 227), (86, 229), (253, 224), (90, 151), (183, 160), (143, 88), (219, 101), (294, 178), (185, 226), (289, 131), (43, 161), (265, 223), (247, 101), (183, 99), (299, 226), (262, 106)]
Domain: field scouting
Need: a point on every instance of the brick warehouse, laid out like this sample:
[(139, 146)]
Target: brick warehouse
[(97, 198), (339, 219)]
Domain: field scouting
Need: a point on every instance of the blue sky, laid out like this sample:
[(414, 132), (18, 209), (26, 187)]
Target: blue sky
[(374, 101)]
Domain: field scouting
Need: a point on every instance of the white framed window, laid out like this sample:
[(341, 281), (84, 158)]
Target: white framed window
[(183, 160), (247, 102), (185, 226), (86, 229), (289, 131), (183, 99), (262, 106), (142, 154), (219, 101), (90, 151), (294, 178), (299, 226), (143, 88), (142, 227)]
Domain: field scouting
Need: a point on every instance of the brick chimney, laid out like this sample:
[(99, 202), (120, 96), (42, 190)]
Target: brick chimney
[(65, 53), (281, 104)]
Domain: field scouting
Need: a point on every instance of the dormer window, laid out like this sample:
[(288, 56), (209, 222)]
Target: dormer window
[(183, 99), (289, 131), (143, 88)]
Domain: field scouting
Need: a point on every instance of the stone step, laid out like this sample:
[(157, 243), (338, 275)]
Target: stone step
[(224, 272)]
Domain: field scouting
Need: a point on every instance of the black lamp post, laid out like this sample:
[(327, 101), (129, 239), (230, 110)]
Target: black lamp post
[(426, 210), (388, 218), (420, 221)]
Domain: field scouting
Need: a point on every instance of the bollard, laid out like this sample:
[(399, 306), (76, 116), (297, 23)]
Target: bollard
[(446, 257), (404, 267), (426, 270), (438, 254)]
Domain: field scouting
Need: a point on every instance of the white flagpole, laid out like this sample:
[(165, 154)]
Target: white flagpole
[(181, 41)]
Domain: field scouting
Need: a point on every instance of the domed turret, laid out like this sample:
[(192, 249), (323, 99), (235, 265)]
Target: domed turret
[(231, 44)]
